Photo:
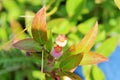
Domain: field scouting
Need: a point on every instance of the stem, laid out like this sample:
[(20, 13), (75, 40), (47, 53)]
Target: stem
[(42, 60)]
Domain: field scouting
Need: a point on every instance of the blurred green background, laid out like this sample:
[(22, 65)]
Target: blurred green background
[(71, 17)]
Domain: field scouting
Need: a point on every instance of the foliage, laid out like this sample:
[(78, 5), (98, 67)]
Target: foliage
[(75, 19), (68, 61)]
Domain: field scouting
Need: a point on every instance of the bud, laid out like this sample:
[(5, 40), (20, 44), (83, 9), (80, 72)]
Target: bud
[(61, 40), (57, 51), (57, 77)]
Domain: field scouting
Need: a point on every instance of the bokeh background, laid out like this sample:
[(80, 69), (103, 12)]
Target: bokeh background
[(71, 17)]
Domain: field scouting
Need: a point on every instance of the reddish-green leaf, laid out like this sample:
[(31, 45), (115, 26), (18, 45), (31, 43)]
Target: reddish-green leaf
[(39, 29), (87, 42), (16, 29), (117, 2), (28, 45), (71, 62), (92, 58)]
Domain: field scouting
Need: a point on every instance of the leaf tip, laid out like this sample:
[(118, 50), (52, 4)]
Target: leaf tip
[(96, 23), (104, 59)]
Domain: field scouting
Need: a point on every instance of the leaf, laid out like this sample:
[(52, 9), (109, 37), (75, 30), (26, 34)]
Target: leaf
[(108, 46), (101, 36), (3, 34), (99, 1), (74, 7), (39, 29), (87, 42), (72, 76), (16, 29), (38, 75), (73, 38), (49, 43), (28, 45), (71, 62), (59, 25), (92, 58), (87, 71), (28, 21), (68, 52), (97, 73), (13, 9), (87, 25), (117, 2)]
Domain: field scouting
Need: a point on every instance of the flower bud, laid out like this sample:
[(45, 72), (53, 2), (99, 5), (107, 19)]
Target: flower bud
[(57, 51), (61, 40)]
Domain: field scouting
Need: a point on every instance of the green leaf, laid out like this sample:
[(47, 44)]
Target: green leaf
[(87, 25), (117, 2), (71, 62), (92, 58), (87, 42), (101, 36), (87, 71), (28, 45), (108, 46), (12, 8), (49, 43), (68, 52), (28, 21), (98, 1), (97, 73), (39, 29), (73, 38), (38, 75), (18, 76), (3, 34), (59, 25), (72, 76), (74, 7)]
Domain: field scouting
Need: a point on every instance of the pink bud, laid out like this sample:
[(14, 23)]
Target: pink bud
[(57, 51), (61, 40)]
